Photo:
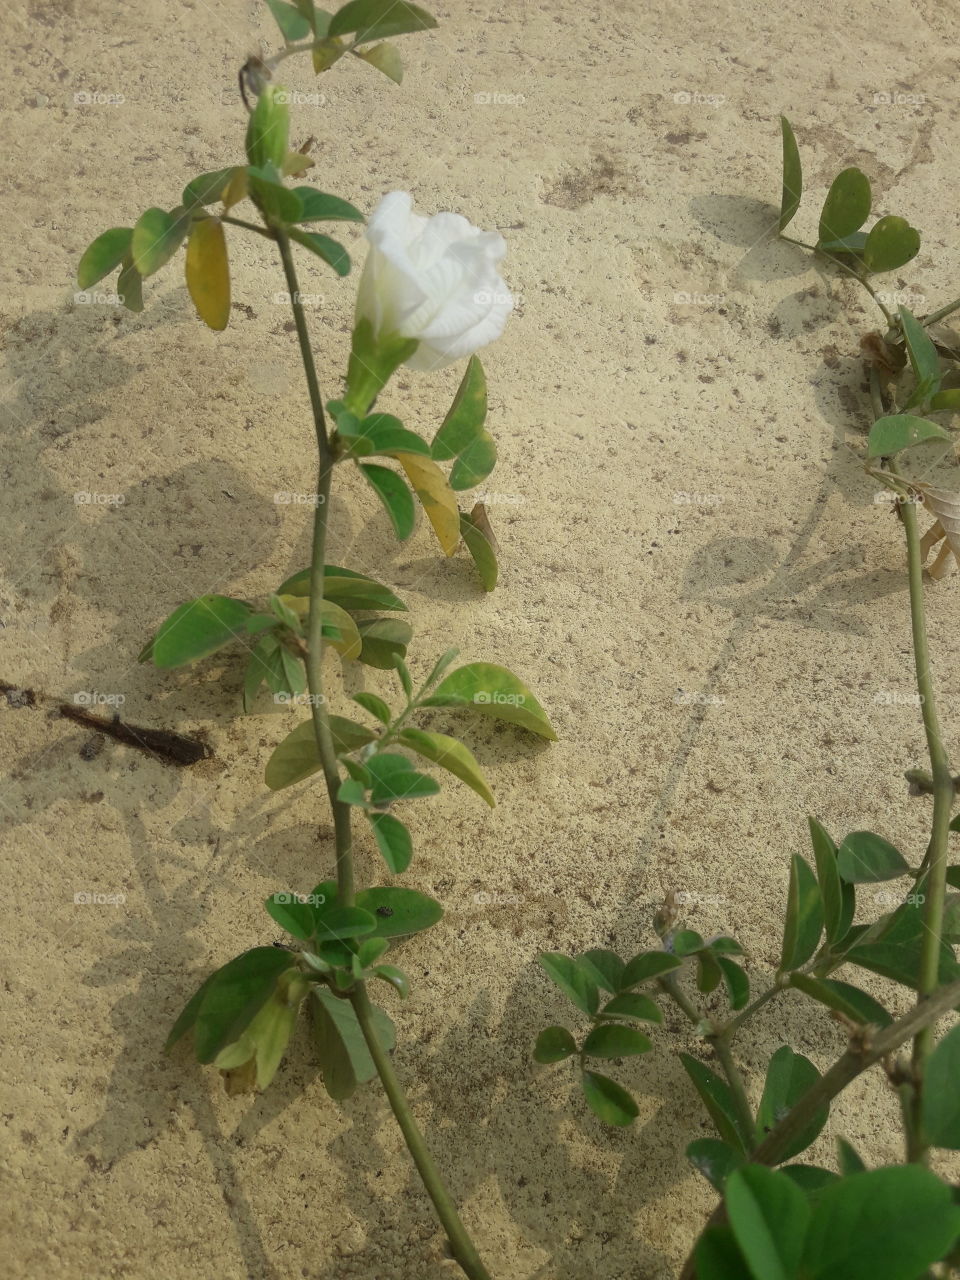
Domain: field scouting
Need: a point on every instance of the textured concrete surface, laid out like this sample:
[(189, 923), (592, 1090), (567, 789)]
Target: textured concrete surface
[(696, 581)]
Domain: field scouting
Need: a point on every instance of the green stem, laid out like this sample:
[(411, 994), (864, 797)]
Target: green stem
[(669, 985), (731, 1028), (948, 310), (460, 1242), (721, 1047), (266, 232), (828, 257), (935, 883)]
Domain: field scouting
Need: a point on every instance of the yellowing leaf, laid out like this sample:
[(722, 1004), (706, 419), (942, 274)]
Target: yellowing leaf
[(945, 507), (349, 643), (236, 188), (450, 754), (208, 272), (439, 501), (296, 163)]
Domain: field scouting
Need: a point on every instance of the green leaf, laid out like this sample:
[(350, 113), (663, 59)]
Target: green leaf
[(394, 778), (946, 400), (399, 911), (198, 628), (647, 965), (849, 1160), (208, 188), (736, 982), (792, 176), (377, 19), (847, 205), (631, 1005), (396, 978), (156, 238), (940, 1095), (709, 973), (482, 550), (208, 272), (105, 253), (436, 497), (572, 979), (608, 1100), (130, 286), (298, 918), (345, 1060), (383, 433), (924, 360), (393, 841), (892, 243), (317, 206), (554, 1044), (853, 1003), (338, 923), (386, 58), (278, 203), (353, 791), (804, 918), (769, 1216), (898, 431), (268, 129), (372, 364), (714, 1159), (188, 1015), (789, 1076), (605, 967), (376, 706), (718, 1100), (344, 587), (331, 251), (462, 436), (717, 1256), (828, 877), (614, 1041), (854, 243), (865, 858), (383, 642), (492, 691), (451, 755), (393, 492), (233, 996), (293, 25), (297, 756), (891, 1222), (897, 954)]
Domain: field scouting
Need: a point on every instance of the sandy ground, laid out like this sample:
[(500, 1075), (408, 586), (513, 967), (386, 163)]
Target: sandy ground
[(670, 408)]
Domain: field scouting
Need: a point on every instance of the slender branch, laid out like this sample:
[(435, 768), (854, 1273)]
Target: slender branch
[(460, 1242), (828, 257), (943, 793), (942, 314), (721, 1047), (669, 986), (731, 1028), (860, 1055)]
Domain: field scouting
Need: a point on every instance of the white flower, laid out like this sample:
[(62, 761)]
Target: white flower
[(433, 279)]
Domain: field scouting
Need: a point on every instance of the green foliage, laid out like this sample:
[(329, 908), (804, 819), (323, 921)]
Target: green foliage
[(789, 1076)]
